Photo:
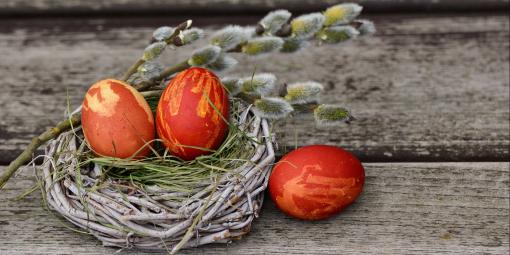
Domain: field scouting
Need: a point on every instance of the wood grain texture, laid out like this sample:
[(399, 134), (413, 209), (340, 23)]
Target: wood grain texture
[(208, 7), (405, 208), (423, 89)]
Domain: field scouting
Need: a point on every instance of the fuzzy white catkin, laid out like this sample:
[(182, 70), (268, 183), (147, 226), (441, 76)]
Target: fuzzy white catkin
[(249, 31), (275, 20), (303, 92), (191, 35), (204, 56), (232, 84), (305, 26), (272, 108), (293, 44), (153, 51), (162, 33), (367, 27), (261, 45), (262, 83), (331, 115), (338, 34), (342, 13), (150, 70), (222, 63), (229, 37)]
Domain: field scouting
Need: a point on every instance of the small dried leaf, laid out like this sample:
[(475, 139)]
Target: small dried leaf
[(261, 84), (232, 84), (303, 92), (262, 45), (272, 108), (305, 26), (162, 33), (331, 115), (275, 20), (153, 51), (337, 34), (222, 63), (204, 56), (229, 37), (342, 14)]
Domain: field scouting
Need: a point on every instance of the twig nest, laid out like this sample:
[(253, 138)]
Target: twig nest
[(122, 212)]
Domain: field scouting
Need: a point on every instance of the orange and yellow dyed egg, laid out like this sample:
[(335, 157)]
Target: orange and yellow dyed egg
[(315, 182), (192, 113), (116, 120)]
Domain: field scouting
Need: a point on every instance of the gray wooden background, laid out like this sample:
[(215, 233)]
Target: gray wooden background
[(430, 91)]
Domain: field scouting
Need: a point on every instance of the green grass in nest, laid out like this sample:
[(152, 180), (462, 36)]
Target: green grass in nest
[(171, 173)]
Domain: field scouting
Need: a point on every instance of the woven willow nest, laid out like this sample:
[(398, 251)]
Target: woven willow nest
[(216, 211)]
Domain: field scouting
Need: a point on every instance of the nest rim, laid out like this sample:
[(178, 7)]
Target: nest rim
[(218, 213)]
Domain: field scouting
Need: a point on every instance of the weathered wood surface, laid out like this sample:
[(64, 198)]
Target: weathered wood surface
[(405, 208), (208, 7), (425, 88)]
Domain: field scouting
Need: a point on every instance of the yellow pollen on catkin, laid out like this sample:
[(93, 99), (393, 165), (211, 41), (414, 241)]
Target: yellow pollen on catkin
[(103, 102), (334, 14), (297, 25)]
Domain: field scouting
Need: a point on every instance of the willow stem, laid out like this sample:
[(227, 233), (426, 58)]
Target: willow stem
[(53, 132), (170, 40), (26, 155), (133, 69), (151, 93), (164, 74), (173, 69)]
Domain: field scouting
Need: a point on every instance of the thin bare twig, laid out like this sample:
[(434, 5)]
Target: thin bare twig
[(170, 40)]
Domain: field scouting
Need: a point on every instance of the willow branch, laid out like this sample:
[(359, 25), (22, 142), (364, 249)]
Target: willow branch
[(26, 155), (164, 74), (132, 69), (170, 40), (52, 133)]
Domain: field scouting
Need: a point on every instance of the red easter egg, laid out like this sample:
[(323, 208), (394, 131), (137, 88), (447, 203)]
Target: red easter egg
[(185, 119), (315, 182), (116, 120)]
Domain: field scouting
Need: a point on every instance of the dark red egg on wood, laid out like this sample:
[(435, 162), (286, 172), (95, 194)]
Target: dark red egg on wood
[(192, 113), (116, 120), (315, 182)]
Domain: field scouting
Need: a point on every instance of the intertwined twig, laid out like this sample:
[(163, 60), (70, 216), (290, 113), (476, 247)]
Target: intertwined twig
[(152, 218)]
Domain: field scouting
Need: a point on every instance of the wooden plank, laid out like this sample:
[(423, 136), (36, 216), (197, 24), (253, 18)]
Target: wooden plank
[(423, 89), (405, 208), (208, 7)]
